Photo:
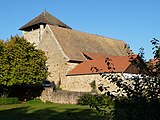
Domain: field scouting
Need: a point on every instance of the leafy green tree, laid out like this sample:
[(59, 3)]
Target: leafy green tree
[(156, 52), (21, 63), (140, 98)]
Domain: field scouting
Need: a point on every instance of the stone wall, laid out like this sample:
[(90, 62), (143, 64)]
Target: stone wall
[(81, 83), (62, 97), (34, 36), (57, 65)]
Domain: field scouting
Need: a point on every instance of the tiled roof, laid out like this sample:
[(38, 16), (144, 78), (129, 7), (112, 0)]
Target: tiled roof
[(44, 18), (92, 55), (154, 61), (99, 65), (74, 42)]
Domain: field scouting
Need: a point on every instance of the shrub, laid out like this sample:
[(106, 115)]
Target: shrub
[(86, 99), (6, 101), (103, 104)]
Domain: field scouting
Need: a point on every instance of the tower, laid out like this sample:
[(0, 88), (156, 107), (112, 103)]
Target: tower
[(33, 30)]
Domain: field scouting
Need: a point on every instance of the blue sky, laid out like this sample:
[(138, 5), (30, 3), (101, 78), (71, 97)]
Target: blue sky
[(134, 21)]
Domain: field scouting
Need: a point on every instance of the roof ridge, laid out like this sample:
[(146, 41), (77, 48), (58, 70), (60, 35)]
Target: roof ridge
[(45, 18), (88, 33)]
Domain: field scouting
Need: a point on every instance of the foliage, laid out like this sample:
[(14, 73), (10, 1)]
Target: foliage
[(86, 99), (103, 104), (93, 84), (25, 92), (156, 52), (21, 64), (6, 101), (142, 97), (138, 98), (156, 47)]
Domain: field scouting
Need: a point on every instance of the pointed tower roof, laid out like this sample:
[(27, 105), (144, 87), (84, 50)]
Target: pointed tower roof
[(44, 18)]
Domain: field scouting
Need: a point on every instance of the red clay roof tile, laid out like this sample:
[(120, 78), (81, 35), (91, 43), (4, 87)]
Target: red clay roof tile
[(99, 65)]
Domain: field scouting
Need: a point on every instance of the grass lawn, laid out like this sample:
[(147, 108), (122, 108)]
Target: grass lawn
[(36, 110)]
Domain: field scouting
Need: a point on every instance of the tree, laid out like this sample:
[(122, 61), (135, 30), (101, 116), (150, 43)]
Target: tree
[(21, 63), (138, 99), (156, 52)]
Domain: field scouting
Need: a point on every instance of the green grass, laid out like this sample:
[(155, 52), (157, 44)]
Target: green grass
[(36, 110), (6, 101)]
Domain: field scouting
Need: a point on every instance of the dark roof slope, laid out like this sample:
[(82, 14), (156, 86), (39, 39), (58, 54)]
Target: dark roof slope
[(44, 18), (73, 43)]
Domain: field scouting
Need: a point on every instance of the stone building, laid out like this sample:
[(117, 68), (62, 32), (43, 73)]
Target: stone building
[(67, 48)]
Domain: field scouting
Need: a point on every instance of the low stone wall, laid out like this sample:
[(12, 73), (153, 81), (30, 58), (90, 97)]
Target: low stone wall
[(60, 96)]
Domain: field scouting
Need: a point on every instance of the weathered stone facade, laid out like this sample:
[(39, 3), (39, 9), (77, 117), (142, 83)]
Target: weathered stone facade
[(65, 49), (63, 97), (56, 62), (81, 83), (59, 66), (34, 36)]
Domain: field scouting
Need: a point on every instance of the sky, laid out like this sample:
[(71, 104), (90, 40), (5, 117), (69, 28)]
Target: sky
[(134, 21)]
